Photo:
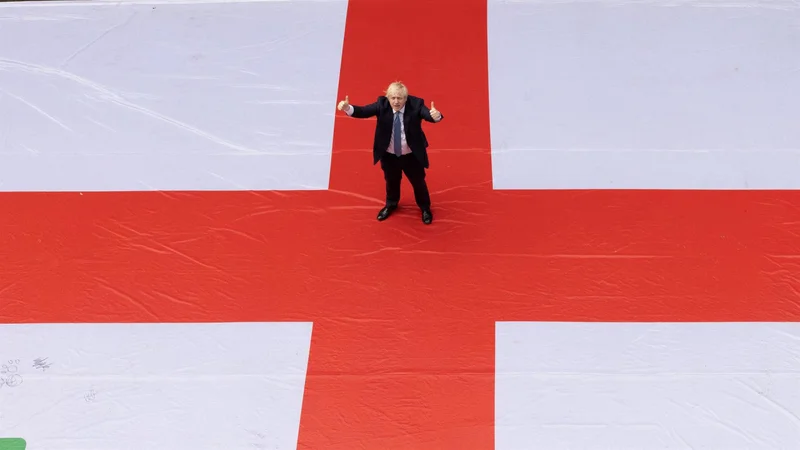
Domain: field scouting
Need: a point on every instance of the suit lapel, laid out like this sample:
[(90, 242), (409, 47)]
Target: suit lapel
[(407, 115), (388, 116)]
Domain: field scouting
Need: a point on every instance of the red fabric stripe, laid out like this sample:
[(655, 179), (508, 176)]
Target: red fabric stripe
[(406, 363)]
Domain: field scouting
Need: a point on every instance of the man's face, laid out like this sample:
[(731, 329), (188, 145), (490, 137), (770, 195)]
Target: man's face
[(397, 100)]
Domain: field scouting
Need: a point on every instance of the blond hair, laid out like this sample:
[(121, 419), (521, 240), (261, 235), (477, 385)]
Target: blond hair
[(398, 87)]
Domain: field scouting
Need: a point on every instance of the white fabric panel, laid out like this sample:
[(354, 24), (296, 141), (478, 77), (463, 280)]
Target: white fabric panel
[(154, 386), (643, 386), (644, 95), (193, 96)]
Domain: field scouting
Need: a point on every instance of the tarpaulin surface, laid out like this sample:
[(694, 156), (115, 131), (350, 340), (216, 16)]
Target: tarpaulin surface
[(191, 258)]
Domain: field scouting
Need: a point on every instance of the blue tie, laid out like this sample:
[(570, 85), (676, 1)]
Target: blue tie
[(398, 142)]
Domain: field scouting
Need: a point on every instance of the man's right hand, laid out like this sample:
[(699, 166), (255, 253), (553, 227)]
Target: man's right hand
[(344, 103)]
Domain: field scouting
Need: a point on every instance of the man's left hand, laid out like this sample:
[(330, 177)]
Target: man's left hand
[(435, 113)]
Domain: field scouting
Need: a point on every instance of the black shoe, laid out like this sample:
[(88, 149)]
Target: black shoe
[(386, 212), (427, 217)]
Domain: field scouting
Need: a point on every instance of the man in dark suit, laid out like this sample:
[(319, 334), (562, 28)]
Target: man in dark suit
[(400, 144)]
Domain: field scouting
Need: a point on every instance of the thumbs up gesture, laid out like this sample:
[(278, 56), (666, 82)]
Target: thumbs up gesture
[(435, 112), (344, 103)]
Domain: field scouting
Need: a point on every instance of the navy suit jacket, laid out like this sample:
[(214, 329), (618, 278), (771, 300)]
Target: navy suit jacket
[(415, 113)]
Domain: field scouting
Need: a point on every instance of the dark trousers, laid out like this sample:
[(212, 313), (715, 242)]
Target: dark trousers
[(393, 169)]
